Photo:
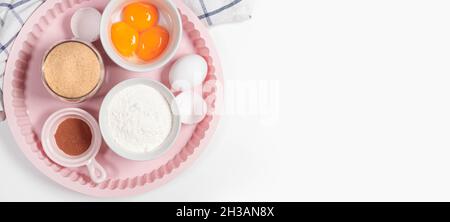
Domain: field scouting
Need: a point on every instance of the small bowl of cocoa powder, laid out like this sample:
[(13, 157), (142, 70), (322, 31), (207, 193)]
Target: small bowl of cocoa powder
[(73, 70), (71, 138)]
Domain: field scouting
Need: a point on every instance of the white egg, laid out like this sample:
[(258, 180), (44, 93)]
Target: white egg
[(188, 72), (85, 24), (192, 108)]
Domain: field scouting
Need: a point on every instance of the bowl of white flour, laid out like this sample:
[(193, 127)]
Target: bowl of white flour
[(137, 119)]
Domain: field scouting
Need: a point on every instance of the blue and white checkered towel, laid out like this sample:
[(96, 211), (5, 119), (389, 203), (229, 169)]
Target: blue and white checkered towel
[(214, 12), (13, 14)]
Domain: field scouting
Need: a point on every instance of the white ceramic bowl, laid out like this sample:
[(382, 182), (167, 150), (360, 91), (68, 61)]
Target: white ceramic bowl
[(106, 130), (169, 17)]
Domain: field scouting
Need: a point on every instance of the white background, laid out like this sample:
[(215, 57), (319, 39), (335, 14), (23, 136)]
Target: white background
[(364, 110)]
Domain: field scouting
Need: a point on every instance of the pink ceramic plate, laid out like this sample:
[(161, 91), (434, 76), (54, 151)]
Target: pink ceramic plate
[(28, 104)]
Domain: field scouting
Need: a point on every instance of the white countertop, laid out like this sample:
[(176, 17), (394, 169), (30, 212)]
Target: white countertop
[(364, 110)]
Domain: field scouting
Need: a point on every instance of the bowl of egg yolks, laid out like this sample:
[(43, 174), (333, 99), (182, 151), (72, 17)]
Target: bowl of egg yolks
[(141, 35)]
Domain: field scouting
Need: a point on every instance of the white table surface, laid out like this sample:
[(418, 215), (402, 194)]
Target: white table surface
[(364, 110)]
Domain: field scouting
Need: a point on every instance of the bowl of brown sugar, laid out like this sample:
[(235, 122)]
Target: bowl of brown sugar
[(73, 70)]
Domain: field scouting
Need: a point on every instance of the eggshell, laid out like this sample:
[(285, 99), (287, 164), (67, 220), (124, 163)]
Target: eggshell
[(85, 24), (192, 107), (188, 72)]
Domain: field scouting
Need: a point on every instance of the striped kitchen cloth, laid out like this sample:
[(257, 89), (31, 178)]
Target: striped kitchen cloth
[(13, 14), (215, 12)]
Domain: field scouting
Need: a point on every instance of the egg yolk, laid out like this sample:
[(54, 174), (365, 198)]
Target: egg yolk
[(140, 15), (125, 38), (152, 43)]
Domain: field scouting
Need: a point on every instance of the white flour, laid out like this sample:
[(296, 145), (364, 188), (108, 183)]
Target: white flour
[(140, 118)]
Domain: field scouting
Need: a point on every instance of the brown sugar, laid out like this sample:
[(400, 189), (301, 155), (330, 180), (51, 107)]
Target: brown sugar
[(73, 136), (72, 70)]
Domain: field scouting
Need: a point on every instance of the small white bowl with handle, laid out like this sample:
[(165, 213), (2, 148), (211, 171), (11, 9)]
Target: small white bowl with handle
[(87, 159)]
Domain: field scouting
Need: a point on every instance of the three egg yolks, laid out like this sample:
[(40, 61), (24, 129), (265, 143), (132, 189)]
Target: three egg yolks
[(138, 32)]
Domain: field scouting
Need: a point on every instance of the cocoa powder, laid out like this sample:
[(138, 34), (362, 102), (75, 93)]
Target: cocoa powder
[(73, 136)]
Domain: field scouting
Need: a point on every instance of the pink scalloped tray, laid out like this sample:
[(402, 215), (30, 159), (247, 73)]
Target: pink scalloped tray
[(28, 104)]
